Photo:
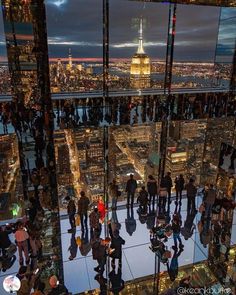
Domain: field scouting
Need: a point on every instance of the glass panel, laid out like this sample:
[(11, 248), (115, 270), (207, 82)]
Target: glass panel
[(75, 48), (137, 55)]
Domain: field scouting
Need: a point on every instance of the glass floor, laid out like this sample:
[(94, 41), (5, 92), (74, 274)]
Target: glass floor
[(138, 260)]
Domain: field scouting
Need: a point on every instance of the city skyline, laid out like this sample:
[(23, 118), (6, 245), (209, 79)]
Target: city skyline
[(196, 34)]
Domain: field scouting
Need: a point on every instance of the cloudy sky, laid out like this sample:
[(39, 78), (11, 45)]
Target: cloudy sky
[(77, 24)]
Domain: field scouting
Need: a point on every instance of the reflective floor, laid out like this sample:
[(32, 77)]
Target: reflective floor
[(138, 260)]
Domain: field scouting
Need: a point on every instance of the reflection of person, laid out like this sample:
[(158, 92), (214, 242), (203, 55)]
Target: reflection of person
[(113, 191), (174, 265), (188, 228), (131, 187), (152, 189), (130, 222), (73, 247), (102, 284), (209, 201), (117, 284)]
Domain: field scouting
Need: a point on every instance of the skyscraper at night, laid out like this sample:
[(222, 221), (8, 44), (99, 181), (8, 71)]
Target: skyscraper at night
[(140, 68)]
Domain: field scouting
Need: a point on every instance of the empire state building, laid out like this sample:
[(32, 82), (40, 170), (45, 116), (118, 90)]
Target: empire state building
[(140, 65)]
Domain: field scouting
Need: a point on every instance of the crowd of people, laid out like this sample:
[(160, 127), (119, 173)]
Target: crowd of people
[(74, 112), (153, 208)]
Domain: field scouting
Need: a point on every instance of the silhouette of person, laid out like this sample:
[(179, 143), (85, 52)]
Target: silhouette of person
[(73, 247), (130, 222), (117, 284), (173, 269)]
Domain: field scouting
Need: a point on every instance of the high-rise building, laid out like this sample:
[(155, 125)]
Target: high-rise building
[(69, 65), (140, 69)]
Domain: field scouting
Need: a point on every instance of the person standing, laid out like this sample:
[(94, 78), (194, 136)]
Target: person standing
[(131, 187), (176, 227), (179, 186), (162, 196), (168, 185), (209, 201), (114, 193), (71, 210), (94, 221), (116, 246), (22, 238), (152, 189), (191, 195), (83, 205)]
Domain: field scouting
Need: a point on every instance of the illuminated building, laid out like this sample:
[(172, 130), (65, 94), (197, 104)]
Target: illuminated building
[(140, 69), (69, 65), (176, 161)]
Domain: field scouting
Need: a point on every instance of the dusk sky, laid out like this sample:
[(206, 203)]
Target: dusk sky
[(77, 24)]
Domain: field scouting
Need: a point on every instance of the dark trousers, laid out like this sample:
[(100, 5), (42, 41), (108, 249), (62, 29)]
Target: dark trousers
[(101, 265), (178, 195), (169, 194), (162, 204), (176, 236), (191, 207), (83, 220), (72, 219), (152, 199), (130, 196)]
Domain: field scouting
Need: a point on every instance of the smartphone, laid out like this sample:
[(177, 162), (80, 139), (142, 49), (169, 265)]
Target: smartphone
[(58, 282)]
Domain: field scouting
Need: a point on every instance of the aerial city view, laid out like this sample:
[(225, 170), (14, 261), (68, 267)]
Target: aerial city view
[(117, 147)]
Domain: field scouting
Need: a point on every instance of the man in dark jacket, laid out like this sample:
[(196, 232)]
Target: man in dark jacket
[(168, 185), (209, 201), (71, 210), (116, 245), (131, 187), (191, 195), (152, 189), (83, 205), (179, 186)]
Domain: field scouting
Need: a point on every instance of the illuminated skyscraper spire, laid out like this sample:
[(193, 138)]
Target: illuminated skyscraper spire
[(140, 42), (70, 59)]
